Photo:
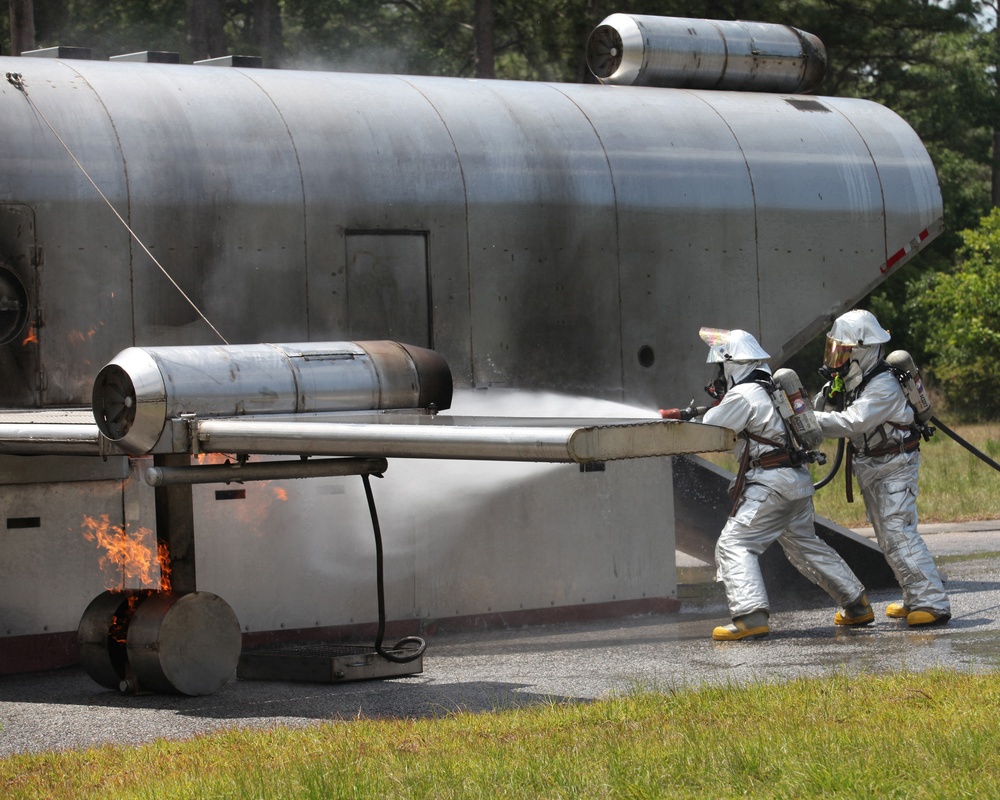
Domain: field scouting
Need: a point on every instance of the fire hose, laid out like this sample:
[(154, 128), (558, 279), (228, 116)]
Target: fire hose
[(937, 425), (420, 644), (971, 448)]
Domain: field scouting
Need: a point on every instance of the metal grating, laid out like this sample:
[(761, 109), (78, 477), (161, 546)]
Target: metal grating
[(311, 650), (322, 662)]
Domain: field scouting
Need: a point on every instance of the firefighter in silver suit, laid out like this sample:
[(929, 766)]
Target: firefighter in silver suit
[(772, 497), (883, 453)]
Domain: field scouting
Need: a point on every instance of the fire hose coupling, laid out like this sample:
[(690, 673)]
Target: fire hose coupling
[(683, 414), (16, 80), (142, 388)]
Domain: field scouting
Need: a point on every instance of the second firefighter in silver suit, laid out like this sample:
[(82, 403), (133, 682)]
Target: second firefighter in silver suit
[(884, 455)]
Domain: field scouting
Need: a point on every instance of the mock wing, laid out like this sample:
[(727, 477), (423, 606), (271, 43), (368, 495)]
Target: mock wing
[(380, 435)]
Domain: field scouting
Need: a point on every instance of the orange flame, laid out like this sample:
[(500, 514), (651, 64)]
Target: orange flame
[(31, 338), (281, 494), (211, 458), (131, 556), (79, 337), (118, 629)]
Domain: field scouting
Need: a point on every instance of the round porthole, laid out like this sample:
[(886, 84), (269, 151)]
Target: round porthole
[(13, 306), (646, 356)]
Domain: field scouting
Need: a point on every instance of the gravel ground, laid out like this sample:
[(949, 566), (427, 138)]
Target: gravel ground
[(505, 668)]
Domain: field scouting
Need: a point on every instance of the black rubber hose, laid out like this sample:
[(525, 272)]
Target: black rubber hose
[(971, 448), (837, 459), (420, 644)]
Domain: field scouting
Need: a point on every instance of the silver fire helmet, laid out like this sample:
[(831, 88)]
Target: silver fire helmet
[(738, 352), (853, 345), (734, 345)]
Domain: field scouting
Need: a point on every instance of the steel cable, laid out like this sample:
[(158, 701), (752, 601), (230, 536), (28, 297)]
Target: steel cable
[(17, 81)]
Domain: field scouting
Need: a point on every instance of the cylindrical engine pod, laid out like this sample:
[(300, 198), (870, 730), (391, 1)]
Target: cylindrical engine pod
[(681, 53), (143, 387), (803, 421), (913, 387)]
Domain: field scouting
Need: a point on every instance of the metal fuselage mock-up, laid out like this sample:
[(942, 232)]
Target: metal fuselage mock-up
[(558, 245)]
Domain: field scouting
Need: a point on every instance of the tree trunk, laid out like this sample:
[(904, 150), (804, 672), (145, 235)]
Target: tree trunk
[(22, 26), (996, 168), (482, 31), (585, 26), (266, 31), (206, 29), (995, 195)]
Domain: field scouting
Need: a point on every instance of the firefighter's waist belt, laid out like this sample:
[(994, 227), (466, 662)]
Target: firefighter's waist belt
[(773, 459), (908, 445)]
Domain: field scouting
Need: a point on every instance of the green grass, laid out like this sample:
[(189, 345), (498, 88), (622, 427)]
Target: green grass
[(933, 734)]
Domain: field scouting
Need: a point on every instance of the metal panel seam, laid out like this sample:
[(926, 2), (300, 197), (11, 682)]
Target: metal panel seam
[(302, 186), (128, 196), (618, 255), (756, 230), (878, 176), (465, 204)]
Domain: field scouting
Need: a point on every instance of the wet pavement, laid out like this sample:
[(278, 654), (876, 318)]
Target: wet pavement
[(499, 669)]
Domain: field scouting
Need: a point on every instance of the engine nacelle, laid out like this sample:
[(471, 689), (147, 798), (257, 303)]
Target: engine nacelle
[(680, 53), (143, 387)]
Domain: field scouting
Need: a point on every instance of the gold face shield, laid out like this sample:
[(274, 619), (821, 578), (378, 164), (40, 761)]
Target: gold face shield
[(837, 354)]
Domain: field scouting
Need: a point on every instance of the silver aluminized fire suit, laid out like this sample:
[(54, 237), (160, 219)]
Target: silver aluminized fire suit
[(777, 505), (889, 484)]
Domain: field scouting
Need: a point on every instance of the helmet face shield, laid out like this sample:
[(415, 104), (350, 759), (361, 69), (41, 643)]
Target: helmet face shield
[(716, 354), (716, 339), (734, 345), (837, 354)]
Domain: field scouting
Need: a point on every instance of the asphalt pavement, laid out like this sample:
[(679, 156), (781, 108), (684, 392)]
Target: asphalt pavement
[(498, 669)]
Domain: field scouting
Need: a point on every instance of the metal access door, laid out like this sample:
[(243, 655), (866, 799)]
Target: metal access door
[(388, 287)]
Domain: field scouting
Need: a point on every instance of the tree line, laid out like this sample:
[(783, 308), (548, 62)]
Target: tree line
[(934, 63)]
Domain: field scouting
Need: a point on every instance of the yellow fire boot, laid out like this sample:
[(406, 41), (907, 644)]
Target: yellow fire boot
[(896, 611), (857, 613), (924, 616), (752, 625)]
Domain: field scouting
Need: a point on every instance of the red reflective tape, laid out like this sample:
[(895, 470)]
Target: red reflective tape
[(902, 251), (894, 259)]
